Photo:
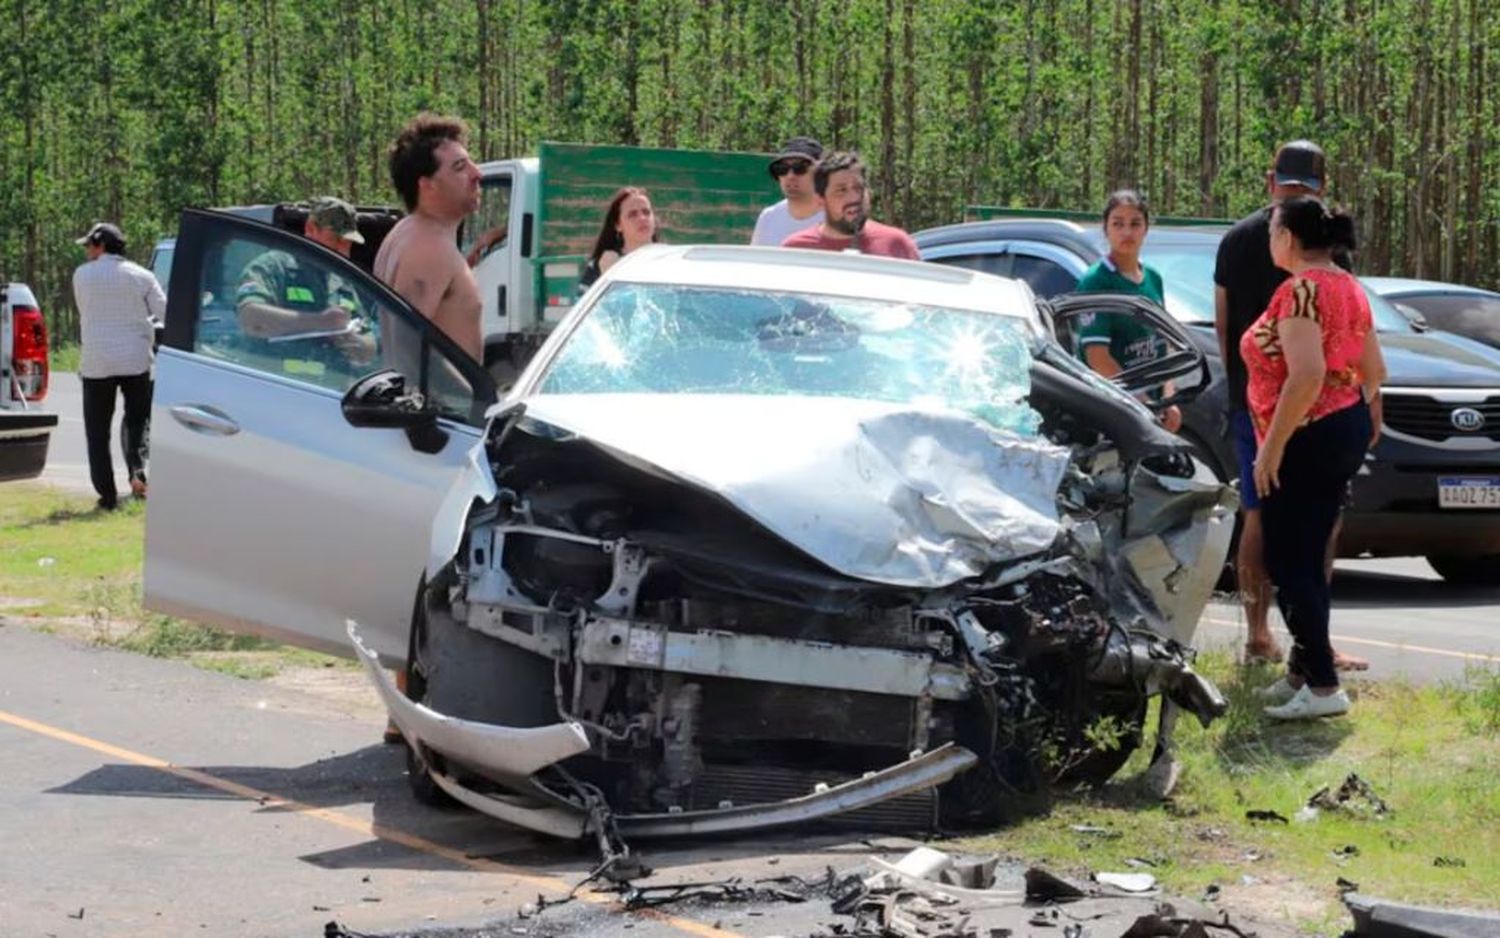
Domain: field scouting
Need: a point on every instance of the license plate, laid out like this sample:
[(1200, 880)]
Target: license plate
[(1458, 492)]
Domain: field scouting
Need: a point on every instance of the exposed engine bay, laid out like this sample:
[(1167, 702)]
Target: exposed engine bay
[(649, 637)]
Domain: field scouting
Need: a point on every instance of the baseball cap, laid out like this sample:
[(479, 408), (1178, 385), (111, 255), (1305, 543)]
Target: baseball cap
[(337, 216), (103, 233), (1300, 163), (799, 148)]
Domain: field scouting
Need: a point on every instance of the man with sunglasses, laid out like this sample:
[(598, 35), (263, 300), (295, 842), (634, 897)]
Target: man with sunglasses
[(802, 208)]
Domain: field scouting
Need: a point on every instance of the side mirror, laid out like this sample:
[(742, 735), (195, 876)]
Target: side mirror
[(1413, 316), (381, 400)]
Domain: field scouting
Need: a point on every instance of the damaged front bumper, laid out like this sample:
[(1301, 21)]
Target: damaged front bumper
[(511, 753)]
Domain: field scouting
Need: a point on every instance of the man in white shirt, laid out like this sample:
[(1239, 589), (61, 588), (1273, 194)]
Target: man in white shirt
[(119, 303), (802, 208)]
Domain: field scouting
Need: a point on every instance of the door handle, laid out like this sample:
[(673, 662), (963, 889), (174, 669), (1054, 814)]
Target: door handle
[(201, 418)]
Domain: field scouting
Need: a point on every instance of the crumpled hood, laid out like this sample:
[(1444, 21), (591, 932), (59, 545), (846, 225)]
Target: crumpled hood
[(888, 493)]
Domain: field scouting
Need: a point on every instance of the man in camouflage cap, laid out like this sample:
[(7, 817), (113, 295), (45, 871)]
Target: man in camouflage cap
[(279, 295)]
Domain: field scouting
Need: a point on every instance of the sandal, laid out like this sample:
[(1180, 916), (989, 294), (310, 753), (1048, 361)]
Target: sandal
[(1343, 662), (1262, 655)]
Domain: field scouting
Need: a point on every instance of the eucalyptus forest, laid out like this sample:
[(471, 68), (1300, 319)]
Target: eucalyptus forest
[(130, 110)]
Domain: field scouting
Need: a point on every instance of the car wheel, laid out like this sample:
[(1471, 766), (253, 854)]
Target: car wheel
[(418, 778), (1093, 767), (1472, 570)]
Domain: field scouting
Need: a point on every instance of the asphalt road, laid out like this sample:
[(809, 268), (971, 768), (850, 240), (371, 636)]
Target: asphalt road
[(141, 797), (67, 455)]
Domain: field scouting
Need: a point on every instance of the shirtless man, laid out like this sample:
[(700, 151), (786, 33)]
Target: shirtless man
[(431, 168)]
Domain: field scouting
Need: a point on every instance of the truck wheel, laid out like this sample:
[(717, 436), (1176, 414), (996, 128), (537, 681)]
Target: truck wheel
[(1474, 570), (501, 365)]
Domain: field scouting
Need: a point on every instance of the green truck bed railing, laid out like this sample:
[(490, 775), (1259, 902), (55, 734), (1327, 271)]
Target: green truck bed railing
[(700, 196)]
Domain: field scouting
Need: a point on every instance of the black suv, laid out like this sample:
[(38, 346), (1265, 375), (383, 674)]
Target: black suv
[(1431, 487)]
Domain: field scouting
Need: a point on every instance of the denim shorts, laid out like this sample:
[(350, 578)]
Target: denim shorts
[(1242, 435)]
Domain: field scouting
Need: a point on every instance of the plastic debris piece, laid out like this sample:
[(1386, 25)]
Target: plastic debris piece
[(924, 863), (1259, 814), (1128, 882), (1354, 796), (1045, 886), (1095, 831)]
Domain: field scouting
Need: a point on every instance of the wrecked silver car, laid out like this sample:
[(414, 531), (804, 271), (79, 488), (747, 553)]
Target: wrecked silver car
[(766, 537)]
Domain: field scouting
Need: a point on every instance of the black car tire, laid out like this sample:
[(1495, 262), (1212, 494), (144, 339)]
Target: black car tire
[(418, 779), (1471, 570)]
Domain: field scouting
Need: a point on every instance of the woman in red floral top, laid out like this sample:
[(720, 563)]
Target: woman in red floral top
[(1315, 371)]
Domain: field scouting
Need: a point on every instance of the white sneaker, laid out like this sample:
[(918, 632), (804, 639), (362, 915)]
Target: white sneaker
[(1278, 693), (1306, 705)]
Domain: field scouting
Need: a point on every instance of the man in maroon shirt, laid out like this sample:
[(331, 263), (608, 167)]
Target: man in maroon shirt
[(840, 180)]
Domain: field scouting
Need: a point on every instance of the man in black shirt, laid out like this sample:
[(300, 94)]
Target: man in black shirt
[(1244, 280)]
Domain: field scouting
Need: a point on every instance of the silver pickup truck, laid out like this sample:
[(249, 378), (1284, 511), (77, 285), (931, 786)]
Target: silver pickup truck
[(24, 430)]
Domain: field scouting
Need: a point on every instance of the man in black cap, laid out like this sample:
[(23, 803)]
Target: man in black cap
[(802, 208), (118, 305), (1244, 279)]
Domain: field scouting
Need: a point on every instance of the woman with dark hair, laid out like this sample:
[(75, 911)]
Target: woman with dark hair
[(629, 223), (1315, 370), (1109, 342)]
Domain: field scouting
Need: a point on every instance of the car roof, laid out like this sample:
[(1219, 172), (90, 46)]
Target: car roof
[(1406, 286), (860, 276), (1086, 240)]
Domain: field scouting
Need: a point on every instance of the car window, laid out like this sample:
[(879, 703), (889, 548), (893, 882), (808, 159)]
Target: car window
[(666, 339), (273, 304), (161, 264), (1187, 274), (493, 213), (1476, 315), (996, 264), (1047, 278)]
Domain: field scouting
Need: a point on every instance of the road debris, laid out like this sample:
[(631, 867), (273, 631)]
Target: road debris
[(1379, 918), (1103, 833), (1128, 882), (1354, 796), (1260, 814)]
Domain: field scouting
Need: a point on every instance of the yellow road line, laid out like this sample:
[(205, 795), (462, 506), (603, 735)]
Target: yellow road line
[(352, 823), (1377, 643)]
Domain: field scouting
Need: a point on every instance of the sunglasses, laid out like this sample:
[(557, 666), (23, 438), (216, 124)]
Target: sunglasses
[(796, 167)]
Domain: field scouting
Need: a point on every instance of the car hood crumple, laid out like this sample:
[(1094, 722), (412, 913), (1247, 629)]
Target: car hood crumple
[(889, 493)]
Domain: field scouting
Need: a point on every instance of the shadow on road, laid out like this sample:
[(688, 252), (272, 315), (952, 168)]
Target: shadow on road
[(375, 776), (1361, 589)]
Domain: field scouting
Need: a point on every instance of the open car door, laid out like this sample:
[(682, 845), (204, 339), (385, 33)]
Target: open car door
[(1167, 369), (271, 511)]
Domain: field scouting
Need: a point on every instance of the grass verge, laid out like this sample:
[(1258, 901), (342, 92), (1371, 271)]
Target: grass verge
[(1430, 753), (70, 567)]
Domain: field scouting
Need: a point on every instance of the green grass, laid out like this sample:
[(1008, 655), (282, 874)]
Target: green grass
[(64, 357), (77, 569), (1430, 753)]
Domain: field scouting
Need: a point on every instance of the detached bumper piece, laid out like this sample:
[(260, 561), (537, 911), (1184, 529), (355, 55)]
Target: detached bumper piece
[(515, 753)]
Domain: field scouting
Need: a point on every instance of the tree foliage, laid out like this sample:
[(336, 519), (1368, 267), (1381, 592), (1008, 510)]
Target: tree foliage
[(132, 109)]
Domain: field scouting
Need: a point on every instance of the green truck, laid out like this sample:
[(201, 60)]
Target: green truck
[(552, 205)]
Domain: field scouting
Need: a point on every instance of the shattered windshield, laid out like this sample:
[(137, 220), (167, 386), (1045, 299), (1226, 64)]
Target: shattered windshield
[(662, 339)]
